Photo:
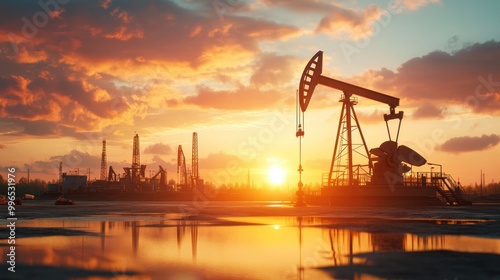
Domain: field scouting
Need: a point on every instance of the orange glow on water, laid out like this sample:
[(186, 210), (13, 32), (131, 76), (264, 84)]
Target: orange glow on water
[(148, 247)]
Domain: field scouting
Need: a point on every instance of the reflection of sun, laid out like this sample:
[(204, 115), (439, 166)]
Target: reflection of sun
[(275, 175)]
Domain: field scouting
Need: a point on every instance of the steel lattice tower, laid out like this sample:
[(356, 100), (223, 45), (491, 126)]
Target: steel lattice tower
[(136, 158), (194, 159), (103, 161)]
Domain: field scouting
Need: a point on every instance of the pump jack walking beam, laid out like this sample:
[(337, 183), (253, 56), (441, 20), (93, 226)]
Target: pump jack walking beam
[(311, 77)]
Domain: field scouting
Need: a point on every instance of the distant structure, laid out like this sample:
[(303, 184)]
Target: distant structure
[(60, 172), (103, 161), (194, 160), (136, 158), (111, 174), (136, 174), (181, 168)]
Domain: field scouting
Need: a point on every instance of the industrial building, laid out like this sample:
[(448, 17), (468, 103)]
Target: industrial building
[(133, 179)]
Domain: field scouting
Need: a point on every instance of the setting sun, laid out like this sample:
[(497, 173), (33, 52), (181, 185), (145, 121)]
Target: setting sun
[(276, 175)]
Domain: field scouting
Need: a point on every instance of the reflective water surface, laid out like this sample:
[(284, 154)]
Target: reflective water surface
[(172, 246)]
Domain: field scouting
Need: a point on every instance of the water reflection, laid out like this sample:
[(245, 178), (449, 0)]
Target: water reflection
[(300, 268), (181, 227), (280, 247)]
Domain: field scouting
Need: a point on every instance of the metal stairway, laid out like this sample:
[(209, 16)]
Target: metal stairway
[(450, 192)]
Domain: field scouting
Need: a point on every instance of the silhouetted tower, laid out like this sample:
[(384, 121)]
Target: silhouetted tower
[(181, 167), (136, 158), (194, 163), (103, 161), (60, 172)]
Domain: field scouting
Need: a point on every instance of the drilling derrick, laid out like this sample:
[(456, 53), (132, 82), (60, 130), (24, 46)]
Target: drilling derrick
[(181, 168), (135, 172), (194, 161), (103, 161), (136, 158)]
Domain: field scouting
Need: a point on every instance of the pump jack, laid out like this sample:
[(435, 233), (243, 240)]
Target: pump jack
[(389, 156)]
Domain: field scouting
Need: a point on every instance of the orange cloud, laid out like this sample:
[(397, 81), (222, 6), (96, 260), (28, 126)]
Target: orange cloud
[(469, 144), (414, 4), (349, 24), (241, 98), (124, 34), (158, 149), (376, 116), (26, 55), (104, 4), (274, 70), (336, 20), (122, 15)]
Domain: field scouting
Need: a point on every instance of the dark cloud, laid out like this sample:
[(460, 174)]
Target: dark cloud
[(469, 144), (73, 161), (428, 111), (170, 167), (152, 30), (65, 99), (77, 159), (469, 77), (158, 149), (43, 128), (2, 146)]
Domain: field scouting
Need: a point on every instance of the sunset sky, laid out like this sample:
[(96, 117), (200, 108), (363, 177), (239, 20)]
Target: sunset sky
[(76, 72)]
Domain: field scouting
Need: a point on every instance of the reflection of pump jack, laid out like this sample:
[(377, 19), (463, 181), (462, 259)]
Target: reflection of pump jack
[(334, 257), (300, 268)]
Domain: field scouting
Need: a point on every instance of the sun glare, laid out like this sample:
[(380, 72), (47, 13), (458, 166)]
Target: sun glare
[(276, 175)]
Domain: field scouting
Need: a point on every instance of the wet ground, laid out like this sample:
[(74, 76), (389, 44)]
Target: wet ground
[(250, 240)]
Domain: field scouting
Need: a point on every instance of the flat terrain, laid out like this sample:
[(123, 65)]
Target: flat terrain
[(481, 222)]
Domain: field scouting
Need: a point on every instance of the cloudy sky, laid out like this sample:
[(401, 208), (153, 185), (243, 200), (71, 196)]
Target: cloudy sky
[(77, 72)]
